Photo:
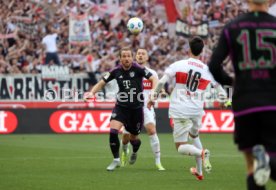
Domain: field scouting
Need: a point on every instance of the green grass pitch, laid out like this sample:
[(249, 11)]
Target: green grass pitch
[(78, 162)]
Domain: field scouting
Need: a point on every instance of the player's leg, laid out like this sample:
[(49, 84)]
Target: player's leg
[(136, 143), (149, 123), (125, 147), (116, 122), (197, 143), (134, 126), (125, 140), (243, 126), (194, 134), (180, 134), (114, 143), (181, 131), (251, 182), (269, 139)]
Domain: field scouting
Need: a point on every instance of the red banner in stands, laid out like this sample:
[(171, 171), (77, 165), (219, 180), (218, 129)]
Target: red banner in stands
[(171, 11)]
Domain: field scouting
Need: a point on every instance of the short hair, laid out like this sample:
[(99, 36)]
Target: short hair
[(141, 49), (125, 49), (196, 45)]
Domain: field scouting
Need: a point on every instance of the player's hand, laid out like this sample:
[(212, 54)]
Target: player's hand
[(88, 96), (228, 103), (225, 104)]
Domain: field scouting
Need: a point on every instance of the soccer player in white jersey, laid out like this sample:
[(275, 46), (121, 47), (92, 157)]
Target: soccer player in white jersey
[(186, 105), (149, 117)]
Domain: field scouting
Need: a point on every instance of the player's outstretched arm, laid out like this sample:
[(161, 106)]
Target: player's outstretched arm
[(156, 90), (154, 81), (95, 89), (219, 55)]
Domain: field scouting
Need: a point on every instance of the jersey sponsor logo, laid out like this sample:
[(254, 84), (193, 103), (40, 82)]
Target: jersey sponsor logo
[(8, 122), (216, 121), (132, 74), (126, 84), (147, 84), (79, 121)]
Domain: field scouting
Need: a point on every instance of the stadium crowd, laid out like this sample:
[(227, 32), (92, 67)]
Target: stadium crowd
[(24, 24)]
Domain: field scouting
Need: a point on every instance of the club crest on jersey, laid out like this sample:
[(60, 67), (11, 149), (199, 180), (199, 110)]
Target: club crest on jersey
[(132, 74), (106, 75), (146, 72)]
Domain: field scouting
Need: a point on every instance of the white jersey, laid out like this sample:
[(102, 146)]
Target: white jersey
[(147, 84), (192, 78), (50, 43)]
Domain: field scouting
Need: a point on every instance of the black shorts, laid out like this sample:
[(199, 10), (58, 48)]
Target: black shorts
[(256, 128), (133, 119)]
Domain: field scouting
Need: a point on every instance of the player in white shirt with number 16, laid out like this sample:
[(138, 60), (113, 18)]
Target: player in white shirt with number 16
[(186, 104)]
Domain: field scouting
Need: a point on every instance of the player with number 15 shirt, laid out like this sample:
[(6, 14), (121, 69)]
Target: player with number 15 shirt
[(250, 41)]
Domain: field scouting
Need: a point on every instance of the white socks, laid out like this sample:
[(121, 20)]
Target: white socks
[(189, 149), (155, 147), (197, 144)]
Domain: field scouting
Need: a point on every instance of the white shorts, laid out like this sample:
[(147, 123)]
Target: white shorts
[(149, 117), (182, 128)]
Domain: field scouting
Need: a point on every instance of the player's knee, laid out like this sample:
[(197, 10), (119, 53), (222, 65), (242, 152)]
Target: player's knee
[(151, 132), (193, 133), (125, 138), (177, 145), (113, 136), (150, 128)]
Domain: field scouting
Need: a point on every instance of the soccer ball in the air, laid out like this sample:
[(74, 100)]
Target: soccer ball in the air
[(135, 25)]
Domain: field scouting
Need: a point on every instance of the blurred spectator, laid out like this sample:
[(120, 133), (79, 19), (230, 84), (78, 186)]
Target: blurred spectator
[(50, 45), (25, 25)]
